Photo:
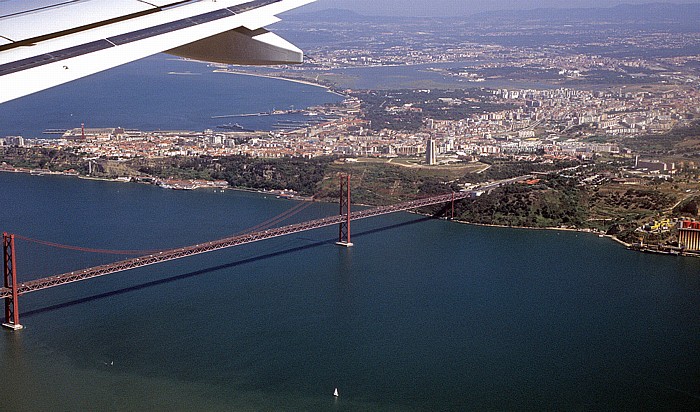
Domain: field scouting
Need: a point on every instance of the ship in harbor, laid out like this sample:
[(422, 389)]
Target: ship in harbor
[(233, 127), (55, 131)]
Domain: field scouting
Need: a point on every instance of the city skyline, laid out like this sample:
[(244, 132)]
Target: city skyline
[(441, 8)]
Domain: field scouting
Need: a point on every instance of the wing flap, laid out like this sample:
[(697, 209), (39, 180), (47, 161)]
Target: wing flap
[(242, 46)]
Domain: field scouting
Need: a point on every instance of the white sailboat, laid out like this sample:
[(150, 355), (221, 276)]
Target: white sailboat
[(335, 392)]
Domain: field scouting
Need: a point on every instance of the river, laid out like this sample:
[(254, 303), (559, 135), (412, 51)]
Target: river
[(420, 314)]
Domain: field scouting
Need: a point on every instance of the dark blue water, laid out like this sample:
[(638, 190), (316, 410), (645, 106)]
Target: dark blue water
[(143, 95), (418, 315)]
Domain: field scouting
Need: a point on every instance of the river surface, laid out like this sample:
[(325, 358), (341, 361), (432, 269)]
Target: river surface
[(419, 315)]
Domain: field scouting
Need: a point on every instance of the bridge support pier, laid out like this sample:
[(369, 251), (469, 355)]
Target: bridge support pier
[(10, 270), (344, 226)]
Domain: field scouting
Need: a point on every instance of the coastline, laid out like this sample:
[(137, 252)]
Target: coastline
[(38, 172), (267, 76), (629, 246), (565, 229), (165, 184), (174, 184)]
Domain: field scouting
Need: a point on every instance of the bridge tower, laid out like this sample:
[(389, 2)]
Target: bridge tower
[(344, 226), (11, 303)]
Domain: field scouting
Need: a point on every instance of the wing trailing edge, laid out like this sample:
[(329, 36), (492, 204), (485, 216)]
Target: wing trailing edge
[(242, 46)]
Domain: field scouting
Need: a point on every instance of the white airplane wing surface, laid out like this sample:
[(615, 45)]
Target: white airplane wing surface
[(44, 43)]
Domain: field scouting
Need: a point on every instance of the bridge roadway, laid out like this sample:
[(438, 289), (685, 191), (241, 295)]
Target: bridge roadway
[(237, 240)]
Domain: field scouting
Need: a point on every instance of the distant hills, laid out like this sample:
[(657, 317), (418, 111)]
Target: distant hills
[(651, 12), (687, 15), (327, 15), (337, 15)]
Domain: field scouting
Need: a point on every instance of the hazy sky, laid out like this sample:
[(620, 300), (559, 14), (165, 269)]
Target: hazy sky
[(464, 7)]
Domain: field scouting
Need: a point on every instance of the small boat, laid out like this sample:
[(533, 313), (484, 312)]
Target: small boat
[(335, 392)]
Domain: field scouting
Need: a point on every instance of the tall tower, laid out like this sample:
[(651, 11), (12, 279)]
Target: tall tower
[(431, 152)]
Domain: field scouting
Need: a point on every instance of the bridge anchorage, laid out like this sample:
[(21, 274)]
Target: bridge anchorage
[(12, 288)]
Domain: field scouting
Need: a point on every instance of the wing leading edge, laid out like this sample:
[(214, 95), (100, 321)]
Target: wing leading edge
[(73, 45)]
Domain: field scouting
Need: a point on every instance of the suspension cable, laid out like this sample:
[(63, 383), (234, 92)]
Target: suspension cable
[(85, 249), (261, 226)]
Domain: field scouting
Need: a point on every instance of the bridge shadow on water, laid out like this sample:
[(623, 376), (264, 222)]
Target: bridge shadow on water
[(215, 268)]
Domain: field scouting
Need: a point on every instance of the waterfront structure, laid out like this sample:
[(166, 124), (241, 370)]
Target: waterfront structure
[(689, 235)]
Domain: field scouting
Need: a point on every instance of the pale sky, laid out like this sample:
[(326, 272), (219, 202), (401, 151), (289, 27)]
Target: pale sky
[(464, 7)]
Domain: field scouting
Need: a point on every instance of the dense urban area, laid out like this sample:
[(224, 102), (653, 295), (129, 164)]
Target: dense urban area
[(597, 118)]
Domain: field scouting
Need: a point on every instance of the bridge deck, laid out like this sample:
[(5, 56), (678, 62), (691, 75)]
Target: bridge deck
[(182, 252)]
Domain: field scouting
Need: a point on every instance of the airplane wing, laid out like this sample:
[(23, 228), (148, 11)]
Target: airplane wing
[(44, 43)]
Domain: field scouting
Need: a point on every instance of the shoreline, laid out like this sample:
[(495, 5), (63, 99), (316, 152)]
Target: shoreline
[(554, 228), (276, 193), (268, 76), (564, 229), (628, 246)]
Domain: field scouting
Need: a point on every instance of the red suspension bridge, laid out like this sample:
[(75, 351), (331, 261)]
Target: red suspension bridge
[(13, 288)]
